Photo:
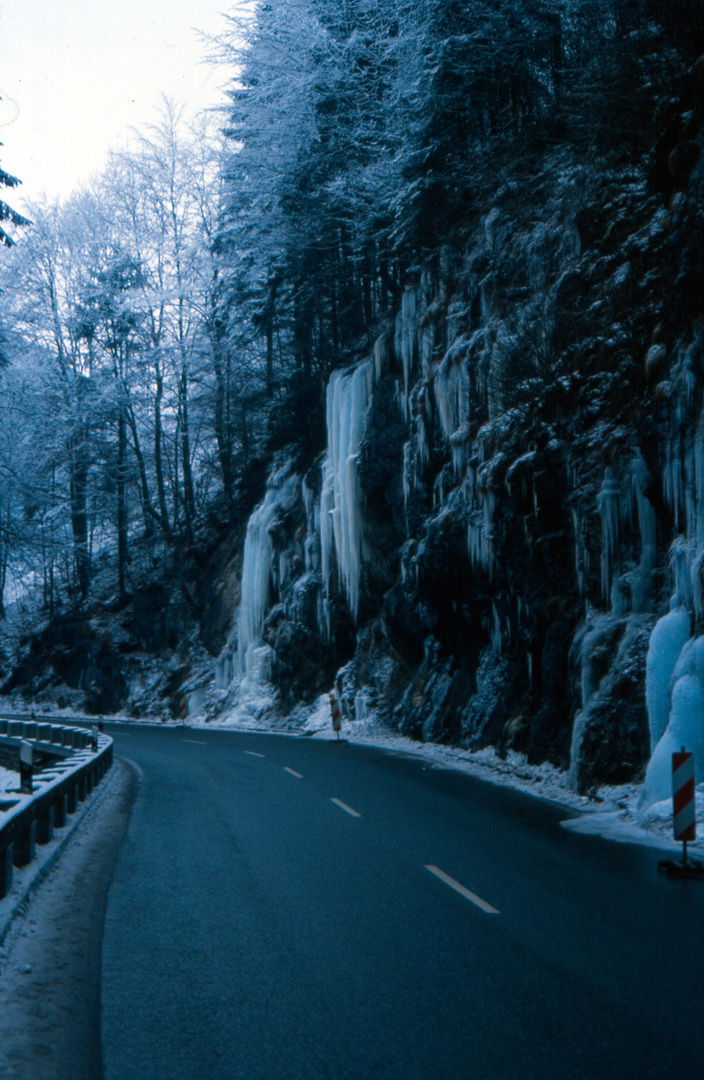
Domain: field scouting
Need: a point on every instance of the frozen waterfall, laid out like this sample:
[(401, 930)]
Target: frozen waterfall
[(259, 568), (348, 398)]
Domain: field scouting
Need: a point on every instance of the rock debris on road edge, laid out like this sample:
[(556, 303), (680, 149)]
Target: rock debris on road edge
[(50, 958)]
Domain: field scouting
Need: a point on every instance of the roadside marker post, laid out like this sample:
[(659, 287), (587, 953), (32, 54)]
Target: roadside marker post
[(26, 766), (335, 713), (684, 823), (683, 819)]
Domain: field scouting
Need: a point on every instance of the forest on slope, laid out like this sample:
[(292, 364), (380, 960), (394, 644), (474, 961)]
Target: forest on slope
[(389, 379)]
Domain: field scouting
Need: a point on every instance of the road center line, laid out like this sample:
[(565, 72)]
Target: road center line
[(345, 807), (462, 891), (293, 772), (252, 753), (194, 742)]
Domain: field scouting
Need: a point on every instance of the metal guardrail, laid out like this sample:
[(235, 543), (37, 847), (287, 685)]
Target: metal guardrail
[(26, 819)]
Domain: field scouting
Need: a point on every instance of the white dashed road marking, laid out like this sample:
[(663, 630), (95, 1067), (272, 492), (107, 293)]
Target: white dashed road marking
[(345, 807), (292, 772), (462, 891)]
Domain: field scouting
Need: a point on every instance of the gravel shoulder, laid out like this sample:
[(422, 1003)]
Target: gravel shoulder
[(51, 954)]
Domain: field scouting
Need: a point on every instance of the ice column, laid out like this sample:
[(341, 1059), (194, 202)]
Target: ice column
[(258, 569), (667, 640), (348, 398)]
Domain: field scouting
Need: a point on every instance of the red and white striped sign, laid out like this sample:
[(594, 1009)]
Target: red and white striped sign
[(683, 818)]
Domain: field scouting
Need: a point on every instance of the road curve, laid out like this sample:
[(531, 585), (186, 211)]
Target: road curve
[(293, 908)]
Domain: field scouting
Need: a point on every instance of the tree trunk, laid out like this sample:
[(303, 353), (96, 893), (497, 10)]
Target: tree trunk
[(158, 462), (78, 488), (145, 498), (189, 501), (121, 500)]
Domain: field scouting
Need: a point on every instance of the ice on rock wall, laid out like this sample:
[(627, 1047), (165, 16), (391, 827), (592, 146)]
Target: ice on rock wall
[(348, 398), (621, 502), (260, 568), (610, 502), (675, 662), (675, 700), (667, 641)]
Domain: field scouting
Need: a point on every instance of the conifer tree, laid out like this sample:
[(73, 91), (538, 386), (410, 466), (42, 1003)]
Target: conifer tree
[(7, 214)]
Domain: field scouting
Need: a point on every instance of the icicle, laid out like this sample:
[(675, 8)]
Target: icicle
[(495, 634), (224, 670), (609, 503), (422, 440), (452, 398), (308, 501), (647, 523), (380, 356), (480, 545), (405, 339), (427, 342), (681, 562), (407, 472)]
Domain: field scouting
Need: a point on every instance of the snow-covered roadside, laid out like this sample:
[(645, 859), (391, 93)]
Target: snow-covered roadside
[(612, 812), (8, 779)]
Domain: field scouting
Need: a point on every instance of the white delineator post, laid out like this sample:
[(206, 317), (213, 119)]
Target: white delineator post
[(26, 766), (335, 711), (683, 799)]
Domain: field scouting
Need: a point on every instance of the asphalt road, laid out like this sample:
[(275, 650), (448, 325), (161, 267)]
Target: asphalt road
[(289, 908)]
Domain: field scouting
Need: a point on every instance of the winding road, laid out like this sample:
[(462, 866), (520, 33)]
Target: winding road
[(290, 908)]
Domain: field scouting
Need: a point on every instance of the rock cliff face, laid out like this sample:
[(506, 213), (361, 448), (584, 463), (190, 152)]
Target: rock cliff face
[(513, 485)]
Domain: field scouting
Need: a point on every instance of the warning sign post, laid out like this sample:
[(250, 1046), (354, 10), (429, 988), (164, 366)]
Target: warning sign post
[(684, 821)]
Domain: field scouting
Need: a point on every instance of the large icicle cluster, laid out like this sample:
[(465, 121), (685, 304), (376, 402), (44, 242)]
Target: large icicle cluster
[(348, 397), (621, 503)]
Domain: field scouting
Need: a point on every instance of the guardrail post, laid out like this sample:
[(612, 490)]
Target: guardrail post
[(6, 858), (26, 767), (25, 845), (71, 799), (60, 812), (81, 788), (45, 825)]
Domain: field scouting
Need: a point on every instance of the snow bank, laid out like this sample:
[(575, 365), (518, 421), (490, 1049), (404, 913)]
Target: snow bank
[(8, 779)]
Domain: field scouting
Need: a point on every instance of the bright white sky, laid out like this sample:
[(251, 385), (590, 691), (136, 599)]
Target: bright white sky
[(82, 72)]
